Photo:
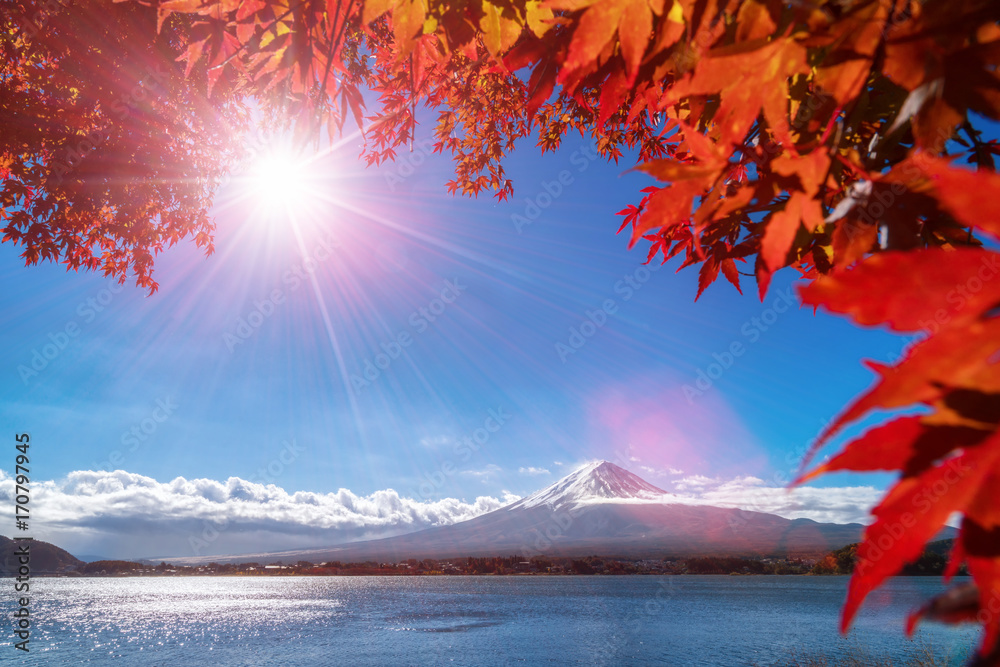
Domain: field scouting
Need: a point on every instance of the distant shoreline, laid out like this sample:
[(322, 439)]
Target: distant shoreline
[(259, 575), (61, 564)]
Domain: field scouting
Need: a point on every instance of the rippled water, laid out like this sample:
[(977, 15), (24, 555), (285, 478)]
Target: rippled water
[(689, 620)]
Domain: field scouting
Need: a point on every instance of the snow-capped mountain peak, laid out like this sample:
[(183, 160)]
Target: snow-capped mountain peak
[(598, 509), (600, 481)]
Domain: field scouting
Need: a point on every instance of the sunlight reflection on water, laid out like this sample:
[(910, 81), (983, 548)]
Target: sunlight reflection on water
[(712, 621)]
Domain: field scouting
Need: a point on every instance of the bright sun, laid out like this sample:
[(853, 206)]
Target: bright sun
[(280, 183)]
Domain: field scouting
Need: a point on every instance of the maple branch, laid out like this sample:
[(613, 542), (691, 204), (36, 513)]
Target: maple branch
[(255, 40), (334, 48)]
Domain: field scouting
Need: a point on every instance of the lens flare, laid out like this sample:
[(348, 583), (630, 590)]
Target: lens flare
[(279, 182)]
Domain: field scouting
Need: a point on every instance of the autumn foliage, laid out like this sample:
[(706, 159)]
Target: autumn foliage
[(838, 138)]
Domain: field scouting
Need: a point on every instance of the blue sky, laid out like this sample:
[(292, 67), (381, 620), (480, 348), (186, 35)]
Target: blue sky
[(467, 305)]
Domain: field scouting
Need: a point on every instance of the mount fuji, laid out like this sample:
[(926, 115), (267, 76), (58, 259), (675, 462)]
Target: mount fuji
[(598, 509)]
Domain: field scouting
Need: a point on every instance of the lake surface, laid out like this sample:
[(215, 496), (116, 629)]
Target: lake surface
[(601, 620)]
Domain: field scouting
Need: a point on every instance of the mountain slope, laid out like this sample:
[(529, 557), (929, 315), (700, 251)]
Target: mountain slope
[(599, 509), (45, 558)]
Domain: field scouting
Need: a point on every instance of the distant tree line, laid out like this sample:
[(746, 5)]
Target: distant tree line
[(932, 562), (841, 561)]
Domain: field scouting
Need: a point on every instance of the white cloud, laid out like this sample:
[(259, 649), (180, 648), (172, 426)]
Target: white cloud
[(122, 514), (531, 470), (849, 504), (484, 474), (433, 442), (558, 463), (675, 471), (126, 515), (694, 482)]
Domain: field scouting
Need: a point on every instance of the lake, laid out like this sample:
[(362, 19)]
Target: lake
[(531, 620)]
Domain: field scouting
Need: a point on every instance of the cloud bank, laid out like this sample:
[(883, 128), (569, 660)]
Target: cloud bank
[(125, 515), (845, 504)]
